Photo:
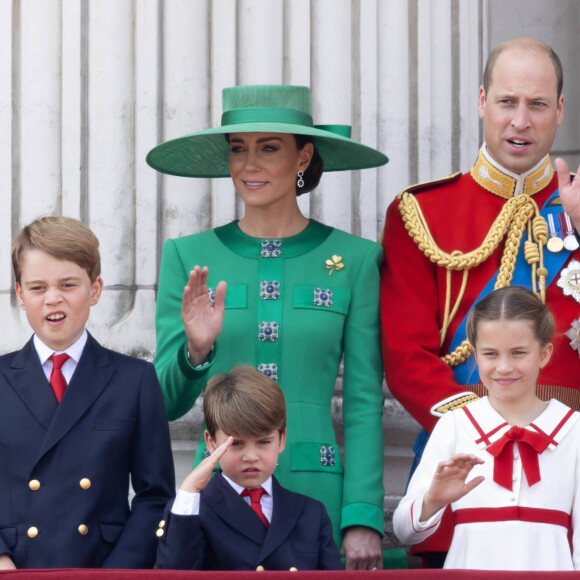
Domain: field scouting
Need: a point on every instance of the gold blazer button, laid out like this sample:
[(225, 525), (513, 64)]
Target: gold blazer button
[(34, 484), (85, 483), (32, 532), (83, 530), (159, 533), (260, 569)]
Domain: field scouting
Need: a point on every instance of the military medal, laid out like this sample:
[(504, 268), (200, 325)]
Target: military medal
[(555, 243), (570, 280), (570, 240), (574, 335)]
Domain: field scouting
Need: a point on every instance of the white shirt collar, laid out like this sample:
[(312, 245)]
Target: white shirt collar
[(266, 486), (75, 350)]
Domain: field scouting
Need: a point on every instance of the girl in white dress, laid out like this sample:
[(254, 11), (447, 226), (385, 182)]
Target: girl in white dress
[(507, 464)]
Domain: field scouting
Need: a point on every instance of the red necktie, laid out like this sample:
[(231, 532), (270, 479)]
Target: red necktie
[(530, 444), (57, 380), (255, 494)]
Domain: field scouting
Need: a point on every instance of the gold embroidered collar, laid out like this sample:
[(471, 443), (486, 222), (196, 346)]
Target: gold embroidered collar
[(506, 184)]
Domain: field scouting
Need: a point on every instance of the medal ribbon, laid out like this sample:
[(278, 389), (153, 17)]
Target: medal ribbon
[(569, 229), (530, 444), (551, 225), (466, 373)]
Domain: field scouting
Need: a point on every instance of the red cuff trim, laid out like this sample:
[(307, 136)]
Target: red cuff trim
[(422, 531)]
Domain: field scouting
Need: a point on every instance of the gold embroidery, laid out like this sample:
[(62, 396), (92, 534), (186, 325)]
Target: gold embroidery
[(499, 183), (492, 179), (456, 403)]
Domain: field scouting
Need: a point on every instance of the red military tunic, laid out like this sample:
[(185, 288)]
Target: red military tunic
[(459, 212)]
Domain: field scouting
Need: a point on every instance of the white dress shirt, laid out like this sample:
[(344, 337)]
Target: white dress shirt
[(187, 503), (74, 351)]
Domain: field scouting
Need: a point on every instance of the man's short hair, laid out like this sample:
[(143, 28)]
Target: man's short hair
[(526, 44), (244, 403), (63, 238)]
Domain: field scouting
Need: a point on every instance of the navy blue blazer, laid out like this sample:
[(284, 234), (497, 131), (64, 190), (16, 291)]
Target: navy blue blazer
[(228, 535), (65, 469)]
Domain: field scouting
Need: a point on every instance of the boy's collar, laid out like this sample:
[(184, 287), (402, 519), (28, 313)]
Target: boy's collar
[(267, 485), (75, 350)]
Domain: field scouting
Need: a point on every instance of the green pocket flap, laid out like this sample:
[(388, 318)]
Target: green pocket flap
[(310, 456), (237, 296), (324, 298)]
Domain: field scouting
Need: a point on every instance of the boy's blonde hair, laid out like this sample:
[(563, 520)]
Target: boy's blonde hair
[(244, 403), (63, 238)]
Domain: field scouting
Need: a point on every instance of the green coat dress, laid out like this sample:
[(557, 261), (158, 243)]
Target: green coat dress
[(294, 306)]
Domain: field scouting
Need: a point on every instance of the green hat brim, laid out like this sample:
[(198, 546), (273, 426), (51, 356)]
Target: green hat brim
[(205, 153)]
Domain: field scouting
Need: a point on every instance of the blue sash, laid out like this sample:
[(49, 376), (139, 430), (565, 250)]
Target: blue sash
[(466, 373)]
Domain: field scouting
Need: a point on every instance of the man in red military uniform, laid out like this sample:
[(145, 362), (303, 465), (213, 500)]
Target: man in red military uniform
[(450, 242)]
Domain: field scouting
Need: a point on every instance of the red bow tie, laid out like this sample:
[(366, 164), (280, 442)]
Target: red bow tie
[(530, 444)]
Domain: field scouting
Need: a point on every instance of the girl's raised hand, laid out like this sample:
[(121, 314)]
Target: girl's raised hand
[(449, 484), (202, 320)]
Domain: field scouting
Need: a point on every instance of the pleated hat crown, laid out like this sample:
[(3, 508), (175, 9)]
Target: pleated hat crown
[(261, 109), (287, 98)]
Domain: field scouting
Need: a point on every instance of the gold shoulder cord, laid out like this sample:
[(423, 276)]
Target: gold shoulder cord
[(518, 213)]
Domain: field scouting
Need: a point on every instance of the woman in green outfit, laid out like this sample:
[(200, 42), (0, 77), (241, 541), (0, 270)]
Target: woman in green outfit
[(285, 294)]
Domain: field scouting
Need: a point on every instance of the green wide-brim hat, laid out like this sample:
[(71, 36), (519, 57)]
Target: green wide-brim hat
[(261, 109)]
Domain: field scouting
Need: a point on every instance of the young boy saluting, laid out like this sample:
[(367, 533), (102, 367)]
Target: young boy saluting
[(77, 421), (242, 519)]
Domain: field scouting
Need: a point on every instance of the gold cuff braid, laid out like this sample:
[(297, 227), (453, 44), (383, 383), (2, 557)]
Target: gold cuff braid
[(518, 214), (457, 403)]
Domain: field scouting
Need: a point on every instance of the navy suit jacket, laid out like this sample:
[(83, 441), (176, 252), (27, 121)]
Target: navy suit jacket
[(110, 429), (228, 535)]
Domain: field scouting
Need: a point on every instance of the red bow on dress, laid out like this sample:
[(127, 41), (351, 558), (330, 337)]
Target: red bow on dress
[(530, 444)]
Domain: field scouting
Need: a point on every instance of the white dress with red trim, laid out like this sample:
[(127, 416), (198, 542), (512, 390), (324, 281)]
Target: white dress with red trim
[(519, 518)]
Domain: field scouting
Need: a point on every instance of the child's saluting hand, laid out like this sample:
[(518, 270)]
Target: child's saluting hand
[(200, 476)]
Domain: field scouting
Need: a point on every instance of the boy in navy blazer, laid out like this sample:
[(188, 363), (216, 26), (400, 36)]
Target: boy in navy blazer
[(211, 525), (67, 458)]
